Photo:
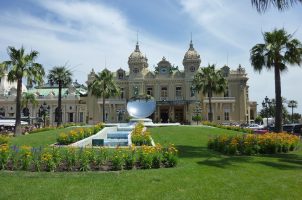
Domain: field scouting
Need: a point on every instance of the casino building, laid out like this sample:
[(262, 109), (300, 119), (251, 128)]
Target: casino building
[(176, 101), (171, 87)]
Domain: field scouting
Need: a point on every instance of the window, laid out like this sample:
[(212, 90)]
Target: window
[(178, 91), (70, 117), (135, 90), (209, 115), (226, 92), (2, 112), (150, 91), (135, 70), (218, 117), (226, 116), (122, 93), (192, 89), (164, 92), (120, 75), (81, 117), (192, 69)]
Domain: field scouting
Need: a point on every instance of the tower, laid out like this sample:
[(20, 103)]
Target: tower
[(138, 63), (191, 61)]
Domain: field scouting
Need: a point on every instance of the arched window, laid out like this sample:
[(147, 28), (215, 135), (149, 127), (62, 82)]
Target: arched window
[(2, 112)]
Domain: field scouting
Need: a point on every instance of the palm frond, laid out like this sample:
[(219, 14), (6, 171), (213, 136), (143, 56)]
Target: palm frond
[(262, 5)]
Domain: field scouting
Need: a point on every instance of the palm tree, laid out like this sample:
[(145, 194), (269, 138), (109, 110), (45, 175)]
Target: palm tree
[(262, 5), (103, 86), (209, 81), (292, 104), (28, 98), (278, 51), (21, 66), (62, 77)]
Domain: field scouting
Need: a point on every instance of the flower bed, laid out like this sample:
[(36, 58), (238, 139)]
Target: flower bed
[(86, 159), (233, 128), (248, 144), (77, 134), (4, 139), (140, 136)]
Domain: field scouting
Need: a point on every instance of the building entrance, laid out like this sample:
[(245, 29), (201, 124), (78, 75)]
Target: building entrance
[(164, 115), (179, 115)]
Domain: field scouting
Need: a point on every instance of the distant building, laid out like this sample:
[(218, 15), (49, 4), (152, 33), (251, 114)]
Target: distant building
[(73, 102), (176, 101)]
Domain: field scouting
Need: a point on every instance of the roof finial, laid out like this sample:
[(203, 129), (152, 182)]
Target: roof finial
[(137, 37), (137, 46), (191, 43)]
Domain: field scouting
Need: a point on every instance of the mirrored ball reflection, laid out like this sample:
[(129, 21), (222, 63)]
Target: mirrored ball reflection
[(141, 108)]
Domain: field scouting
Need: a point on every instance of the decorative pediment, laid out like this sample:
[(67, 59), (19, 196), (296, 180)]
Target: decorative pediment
[(225, 71), (178, 74), (150, 75), (120, 74), (13, 91)]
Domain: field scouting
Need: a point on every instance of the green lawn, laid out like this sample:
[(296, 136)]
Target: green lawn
[(200, 174), (40, 139)]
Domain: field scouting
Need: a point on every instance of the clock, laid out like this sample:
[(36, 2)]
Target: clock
[(163, 70)]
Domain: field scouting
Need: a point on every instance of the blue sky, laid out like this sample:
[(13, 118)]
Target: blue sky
[(92, 34)]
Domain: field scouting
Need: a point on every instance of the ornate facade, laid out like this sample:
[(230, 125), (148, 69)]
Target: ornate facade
[(176, 101), (73, 102)]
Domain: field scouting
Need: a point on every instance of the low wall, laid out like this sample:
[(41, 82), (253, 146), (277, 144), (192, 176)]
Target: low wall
[(102, 134)]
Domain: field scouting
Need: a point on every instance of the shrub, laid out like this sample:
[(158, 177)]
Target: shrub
[(84, 156), (37, 158), (48, 161), (4, 139), (85, 159), (70, 158), (49, 128), (4, 155), (249, 144), (129, 158), (117, 160), (233, 128), (170, 158), (139, 136), (101, 156), (77, 134), (25, 157)]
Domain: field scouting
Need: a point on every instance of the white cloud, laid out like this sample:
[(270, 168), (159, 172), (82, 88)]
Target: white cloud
[(232, 28), (83, 34)]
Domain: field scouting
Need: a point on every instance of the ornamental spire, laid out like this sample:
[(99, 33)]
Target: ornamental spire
[(191, 43), (137, 46)]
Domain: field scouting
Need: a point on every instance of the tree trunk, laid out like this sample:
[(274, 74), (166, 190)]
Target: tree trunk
[(60, 105), (18, 130), (278, 114), (210, 106), (104, 103), (103, 108)]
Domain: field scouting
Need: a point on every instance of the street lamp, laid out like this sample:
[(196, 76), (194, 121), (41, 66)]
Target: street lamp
[(292, 104), (266, 104), (43, 111), (120, 113)]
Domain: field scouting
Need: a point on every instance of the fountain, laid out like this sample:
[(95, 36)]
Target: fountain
[(139, 107)]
